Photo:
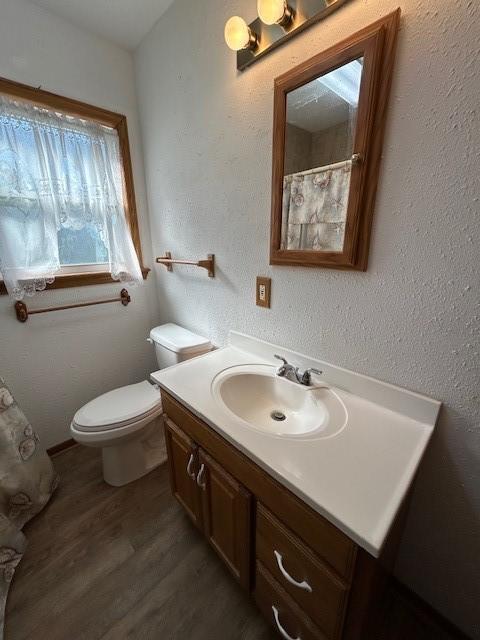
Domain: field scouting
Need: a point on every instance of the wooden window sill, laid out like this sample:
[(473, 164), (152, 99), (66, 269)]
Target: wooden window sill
[(80, 280)]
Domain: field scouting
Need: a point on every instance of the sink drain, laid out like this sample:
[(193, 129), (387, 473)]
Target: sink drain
[(279, 416)]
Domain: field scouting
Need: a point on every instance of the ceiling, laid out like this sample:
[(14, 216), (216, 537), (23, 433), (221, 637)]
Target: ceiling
[(326, 101), (124, 22), (313, 107)]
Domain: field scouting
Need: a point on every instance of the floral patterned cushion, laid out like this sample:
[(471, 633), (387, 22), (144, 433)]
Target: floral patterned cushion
[(27, 480)]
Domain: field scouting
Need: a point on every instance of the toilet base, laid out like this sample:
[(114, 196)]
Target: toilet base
[(131, 459)]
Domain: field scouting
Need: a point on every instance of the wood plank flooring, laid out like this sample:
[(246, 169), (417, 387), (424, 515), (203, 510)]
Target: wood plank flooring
[(126, 564), (106, 563)]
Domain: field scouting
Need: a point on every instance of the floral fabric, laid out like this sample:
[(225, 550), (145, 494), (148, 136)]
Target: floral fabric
[(315, 205), (27, 480)]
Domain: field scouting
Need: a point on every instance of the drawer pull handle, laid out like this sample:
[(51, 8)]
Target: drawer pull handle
[(189, 467), (283, 633), (201, 484), (301, 585)]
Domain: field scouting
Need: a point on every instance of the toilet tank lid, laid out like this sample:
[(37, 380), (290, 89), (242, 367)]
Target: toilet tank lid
[(178, 339)]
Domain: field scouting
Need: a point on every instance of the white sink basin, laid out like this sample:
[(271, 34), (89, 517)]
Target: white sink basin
[(279, 407)]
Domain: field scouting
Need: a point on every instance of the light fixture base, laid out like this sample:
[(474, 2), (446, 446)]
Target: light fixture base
[(288, 18), (253, 41)]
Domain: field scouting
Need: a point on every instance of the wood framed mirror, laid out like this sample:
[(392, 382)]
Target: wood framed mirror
[(329, 120)]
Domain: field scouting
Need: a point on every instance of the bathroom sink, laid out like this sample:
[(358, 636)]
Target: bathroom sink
[(277, 406)]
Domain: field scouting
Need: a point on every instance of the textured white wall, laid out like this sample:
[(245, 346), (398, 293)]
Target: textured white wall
[(58, 361), (413, 318)]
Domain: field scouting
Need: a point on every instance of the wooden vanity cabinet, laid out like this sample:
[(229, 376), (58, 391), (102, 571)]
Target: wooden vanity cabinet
[(307, 577)]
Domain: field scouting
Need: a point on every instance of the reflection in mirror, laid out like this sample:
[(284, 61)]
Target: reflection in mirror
[(319, 144)]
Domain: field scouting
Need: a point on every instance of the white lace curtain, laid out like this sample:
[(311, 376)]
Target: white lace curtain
[(57, 172)]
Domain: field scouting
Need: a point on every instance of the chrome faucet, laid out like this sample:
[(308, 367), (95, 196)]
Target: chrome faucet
[(292, 373)]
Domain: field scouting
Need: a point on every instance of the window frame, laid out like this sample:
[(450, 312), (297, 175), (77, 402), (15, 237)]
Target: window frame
[(105, 117)]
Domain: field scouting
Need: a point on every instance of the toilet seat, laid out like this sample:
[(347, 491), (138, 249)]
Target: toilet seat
[(116, 435), (121, 407)]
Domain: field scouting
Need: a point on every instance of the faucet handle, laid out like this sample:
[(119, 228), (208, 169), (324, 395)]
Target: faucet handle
[(307, 378), (284, 367)]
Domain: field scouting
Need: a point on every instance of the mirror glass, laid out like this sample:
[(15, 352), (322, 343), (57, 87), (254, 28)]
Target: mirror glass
[(319, 143)]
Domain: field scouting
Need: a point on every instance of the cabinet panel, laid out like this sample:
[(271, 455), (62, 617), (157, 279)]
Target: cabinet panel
[(226, 507), (183, 467)]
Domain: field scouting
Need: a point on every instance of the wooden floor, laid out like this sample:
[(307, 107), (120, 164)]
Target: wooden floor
[(119, 564), (122, 563)]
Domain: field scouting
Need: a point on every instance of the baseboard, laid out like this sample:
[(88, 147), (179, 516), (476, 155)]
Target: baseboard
[(62, 446)]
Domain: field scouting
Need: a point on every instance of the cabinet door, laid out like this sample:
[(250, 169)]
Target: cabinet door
[(226, 508), (183, 466)]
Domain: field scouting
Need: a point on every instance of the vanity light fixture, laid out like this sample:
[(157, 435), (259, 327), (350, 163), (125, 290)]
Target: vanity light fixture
[(275, 12), (238, 35), (278, 21)]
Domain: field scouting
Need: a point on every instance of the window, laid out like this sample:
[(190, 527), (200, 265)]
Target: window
[(67, 205)]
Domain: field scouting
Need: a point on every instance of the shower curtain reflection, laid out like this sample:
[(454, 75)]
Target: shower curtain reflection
[(315, 205)]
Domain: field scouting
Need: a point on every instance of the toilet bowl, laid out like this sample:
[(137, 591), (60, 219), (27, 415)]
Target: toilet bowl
[(126, 423)]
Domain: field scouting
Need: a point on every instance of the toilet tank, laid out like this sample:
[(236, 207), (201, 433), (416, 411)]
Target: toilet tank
[(174, 344)]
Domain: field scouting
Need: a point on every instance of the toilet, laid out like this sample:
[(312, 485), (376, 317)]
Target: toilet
[(127, 423)]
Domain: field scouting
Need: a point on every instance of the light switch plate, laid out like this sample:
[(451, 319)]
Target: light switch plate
[(264, 286)]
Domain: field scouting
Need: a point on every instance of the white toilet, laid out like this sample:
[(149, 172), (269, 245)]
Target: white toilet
[(127, 422)]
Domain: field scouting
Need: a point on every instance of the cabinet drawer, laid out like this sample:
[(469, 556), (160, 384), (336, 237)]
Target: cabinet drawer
[(313, 586), (277, 606)]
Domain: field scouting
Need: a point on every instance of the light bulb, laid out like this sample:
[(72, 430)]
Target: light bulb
[(238, 34), (274, 12)]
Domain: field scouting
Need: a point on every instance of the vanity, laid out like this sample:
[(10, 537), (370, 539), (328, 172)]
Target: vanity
[(299, 488)]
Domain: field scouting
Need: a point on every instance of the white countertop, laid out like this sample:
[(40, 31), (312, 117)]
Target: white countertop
[(356, 479)]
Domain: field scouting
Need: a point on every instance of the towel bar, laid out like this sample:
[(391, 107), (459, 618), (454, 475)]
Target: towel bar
[(23, 312), (208, 264)]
